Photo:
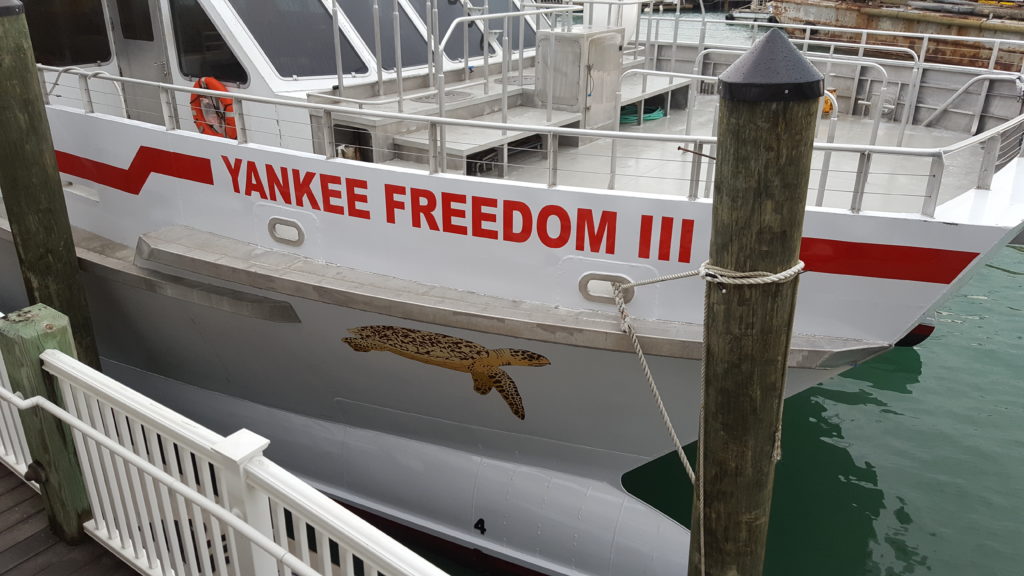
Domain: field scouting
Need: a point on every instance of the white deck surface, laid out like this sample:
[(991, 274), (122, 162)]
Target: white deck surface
[(464, 140), (896, 184)]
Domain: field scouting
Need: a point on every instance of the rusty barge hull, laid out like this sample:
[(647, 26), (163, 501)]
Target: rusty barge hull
[(900, 19)]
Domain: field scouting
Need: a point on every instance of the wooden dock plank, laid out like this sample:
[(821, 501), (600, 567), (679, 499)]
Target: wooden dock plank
[(22, 530), (70, 561), (29, 548), (19, 512), (16, 495), (35, 544), (9, 482), (106, 565)]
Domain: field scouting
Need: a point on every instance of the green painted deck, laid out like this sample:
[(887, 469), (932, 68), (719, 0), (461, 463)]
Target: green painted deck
[(29, 548)]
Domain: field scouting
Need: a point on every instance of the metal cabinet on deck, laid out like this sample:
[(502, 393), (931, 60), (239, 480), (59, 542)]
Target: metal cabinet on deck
[(579, 68)]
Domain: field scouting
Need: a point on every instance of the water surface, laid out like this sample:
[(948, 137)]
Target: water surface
[(913, 463)]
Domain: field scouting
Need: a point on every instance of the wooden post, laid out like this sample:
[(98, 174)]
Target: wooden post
[(769, 102), (24, 335), (32, 188)]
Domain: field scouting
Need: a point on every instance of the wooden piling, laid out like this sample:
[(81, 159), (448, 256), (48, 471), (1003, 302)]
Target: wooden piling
[(32, 190), (769, 100), (24, 335)]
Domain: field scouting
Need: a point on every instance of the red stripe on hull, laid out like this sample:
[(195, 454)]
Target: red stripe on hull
[(884, 260), (819, 255), (147, 161)]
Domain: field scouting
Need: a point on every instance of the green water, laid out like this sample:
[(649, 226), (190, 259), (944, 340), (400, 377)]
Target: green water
[(912, 463)]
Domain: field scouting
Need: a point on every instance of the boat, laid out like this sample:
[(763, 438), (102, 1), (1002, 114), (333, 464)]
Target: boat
[(386, 235), (757, 11)]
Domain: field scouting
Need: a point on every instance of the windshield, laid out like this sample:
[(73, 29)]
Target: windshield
[(447, 12), (297, 36), (529, 36), (414, 45)]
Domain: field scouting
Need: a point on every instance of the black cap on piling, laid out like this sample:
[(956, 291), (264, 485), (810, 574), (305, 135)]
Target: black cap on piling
[(10, 8), (773, 70)]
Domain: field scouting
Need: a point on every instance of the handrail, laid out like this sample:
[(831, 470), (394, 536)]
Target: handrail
[(640, 112), (172, 484), (486, 18), (308, 503), (240, 498), (611, 4), (876, 113), (949, 101), (436, 124), (897, 49), (501, 15), (979, 138), (393, 100), (406, 116), (645, 72), (815, 27)]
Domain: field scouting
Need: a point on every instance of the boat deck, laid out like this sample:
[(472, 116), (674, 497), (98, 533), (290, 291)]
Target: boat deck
[(29, 548), (896, 183), (463, 92)]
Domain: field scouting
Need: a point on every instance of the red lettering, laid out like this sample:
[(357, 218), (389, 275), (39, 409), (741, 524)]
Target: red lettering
[(665, 238), (277, 183), (449, 213), (646, 224), (253, 183), (327, 193), (604, 234), (423, 205), (511, 208), (564, 226), (685, 240), (235, 169), (391, 203), (480, 217), (354, 198), (303, 188)]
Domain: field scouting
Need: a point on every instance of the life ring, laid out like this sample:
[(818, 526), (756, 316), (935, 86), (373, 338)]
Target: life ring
[(212, 115)]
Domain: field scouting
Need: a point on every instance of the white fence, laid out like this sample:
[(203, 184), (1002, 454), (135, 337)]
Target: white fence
[(172, 497)]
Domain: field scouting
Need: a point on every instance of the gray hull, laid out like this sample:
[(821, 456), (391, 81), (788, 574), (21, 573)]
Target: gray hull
[(403, 439)]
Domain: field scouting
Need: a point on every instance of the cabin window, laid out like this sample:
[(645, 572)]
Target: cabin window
[(297, 36), (529, 36), (414, 45), (135, 21), (202, 51), (447, 12), (67, 32)]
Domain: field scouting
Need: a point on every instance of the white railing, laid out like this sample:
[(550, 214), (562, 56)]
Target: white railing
[(172, 497), (13, 447)]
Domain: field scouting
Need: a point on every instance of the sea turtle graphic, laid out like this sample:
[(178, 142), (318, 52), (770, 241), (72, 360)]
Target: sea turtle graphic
[(483, 364)]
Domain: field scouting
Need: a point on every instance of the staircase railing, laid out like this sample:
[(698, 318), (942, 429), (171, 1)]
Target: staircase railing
[(169, 496)]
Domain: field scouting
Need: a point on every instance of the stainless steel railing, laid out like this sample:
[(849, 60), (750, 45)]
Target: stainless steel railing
[(551, 134)]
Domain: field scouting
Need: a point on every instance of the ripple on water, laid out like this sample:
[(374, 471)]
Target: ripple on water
[(913, 463)]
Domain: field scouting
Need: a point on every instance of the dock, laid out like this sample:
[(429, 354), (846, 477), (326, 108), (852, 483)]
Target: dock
[(29, 548)]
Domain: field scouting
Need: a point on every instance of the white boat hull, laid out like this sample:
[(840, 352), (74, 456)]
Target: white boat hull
[(187, 282), (412, 442)]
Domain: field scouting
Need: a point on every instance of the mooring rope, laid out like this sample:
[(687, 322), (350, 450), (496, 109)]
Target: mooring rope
[(715, 275)]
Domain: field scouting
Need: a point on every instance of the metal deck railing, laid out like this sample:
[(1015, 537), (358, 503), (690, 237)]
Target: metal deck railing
[(171, 497), (851, 172)]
